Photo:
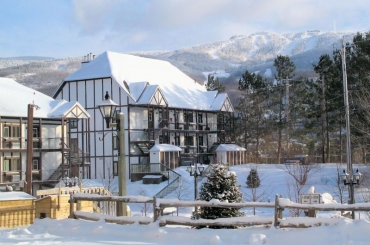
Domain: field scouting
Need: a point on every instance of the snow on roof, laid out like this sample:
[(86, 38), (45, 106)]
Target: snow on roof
[(71, 109), (178, 89), (137, 89), (15, 98), (148, 94), (230, 147), (164, 147), (15, 195)]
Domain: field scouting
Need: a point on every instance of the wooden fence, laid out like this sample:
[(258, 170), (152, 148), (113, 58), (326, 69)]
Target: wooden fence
[(159, 205)]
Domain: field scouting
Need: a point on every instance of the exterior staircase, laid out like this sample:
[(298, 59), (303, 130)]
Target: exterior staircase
[(74, 159), (144, 147), (57, 174)]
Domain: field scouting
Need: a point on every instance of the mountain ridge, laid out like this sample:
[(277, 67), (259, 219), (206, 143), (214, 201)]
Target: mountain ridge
[(255, 52)]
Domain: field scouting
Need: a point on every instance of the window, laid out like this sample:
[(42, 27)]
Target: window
[(150, 116), (159, 115), (189, 140), (160, 139), (200, 118), (115, 168), (12, 164), (73, 123), (11, 131), (115, 143), (16, 131), (35, 164), (6, 132), (189, 117), (36, 132), (177, 140), (200, 140)]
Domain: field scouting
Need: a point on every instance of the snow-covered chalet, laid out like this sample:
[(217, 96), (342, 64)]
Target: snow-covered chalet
[(53, 152), (163, 107)]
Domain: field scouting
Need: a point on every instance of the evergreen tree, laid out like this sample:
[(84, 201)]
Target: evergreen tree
[(252, 109), (253, 179), (327, 102), (221, 185), (214, 84), (358, 74), (284, 71)]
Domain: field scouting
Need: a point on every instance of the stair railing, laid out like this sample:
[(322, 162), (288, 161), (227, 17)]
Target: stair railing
[(173, 183)]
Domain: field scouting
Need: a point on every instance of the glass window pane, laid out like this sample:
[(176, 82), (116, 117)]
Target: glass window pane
[(6, 165), (6, 132)]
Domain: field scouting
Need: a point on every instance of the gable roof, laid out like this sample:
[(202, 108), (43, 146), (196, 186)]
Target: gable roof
[(178, 89), (14, 100), (152, 95), (67, 109)]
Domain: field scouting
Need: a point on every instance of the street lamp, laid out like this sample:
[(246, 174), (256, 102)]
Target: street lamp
[(195, 171), (69, 182), (351, 179), (107, 109)]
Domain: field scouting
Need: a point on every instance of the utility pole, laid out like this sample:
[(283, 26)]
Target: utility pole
[(323, 118), (287, 115), (348, 131), (29, 148), (122, 191)]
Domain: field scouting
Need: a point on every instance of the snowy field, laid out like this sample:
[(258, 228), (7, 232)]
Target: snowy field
[(273, 181)]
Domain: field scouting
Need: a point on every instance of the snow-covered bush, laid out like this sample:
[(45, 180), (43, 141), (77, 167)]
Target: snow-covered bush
[(221, 185)]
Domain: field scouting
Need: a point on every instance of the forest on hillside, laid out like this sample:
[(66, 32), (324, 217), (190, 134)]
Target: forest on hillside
[(294, 115)]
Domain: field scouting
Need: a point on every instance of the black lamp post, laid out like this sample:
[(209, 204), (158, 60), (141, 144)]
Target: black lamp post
[(351, 180), (195, 171), (107, 109)]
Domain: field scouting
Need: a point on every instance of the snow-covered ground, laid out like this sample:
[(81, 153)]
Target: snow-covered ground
[(273, 181)]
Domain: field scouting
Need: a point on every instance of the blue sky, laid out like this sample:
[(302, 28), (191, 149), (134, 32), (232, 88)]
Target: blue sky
[(65, 28)]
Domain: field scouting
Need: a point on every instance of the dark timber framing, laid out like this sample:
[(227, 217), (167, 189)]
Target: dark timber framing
[(168, 131)]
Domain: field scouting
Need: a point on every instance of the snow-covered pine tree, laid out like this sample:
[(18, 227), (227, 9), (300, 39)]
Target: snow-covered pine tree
[(253, 179), (222, 185)]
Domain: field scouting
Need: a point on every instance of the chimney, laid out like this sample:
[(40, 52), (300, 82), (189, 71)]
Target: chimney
[(87, 58)]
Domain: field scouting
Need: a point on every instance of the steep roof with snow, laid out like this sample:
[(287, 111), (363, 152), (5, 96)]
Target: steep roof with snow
[(178, 89), (14, 100)]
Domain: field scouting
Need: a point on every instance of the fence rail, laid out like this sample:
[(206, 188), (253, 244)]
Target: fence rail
[(160, 204)]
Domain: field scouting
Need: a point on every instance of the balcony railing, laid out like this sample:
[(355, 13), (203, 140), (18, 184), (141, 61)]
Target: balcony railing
[(38, 143), (139, 136)]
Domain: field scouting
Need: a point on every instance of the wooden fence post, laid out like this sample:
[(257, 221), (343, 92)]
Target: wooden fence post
[(155, 214), (277, 215), (71, 206)]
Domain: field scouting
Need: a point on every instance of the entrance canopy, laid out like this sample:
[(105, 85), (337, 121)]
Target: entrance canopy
[(229, 147), (164, 147)]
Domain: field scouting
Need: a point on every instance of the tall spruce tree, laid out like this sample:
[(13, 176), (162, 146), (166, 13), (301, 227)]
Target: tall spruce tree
[(327, 102), (284, 71), (251, 110), (221, 185), (358, 63)]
